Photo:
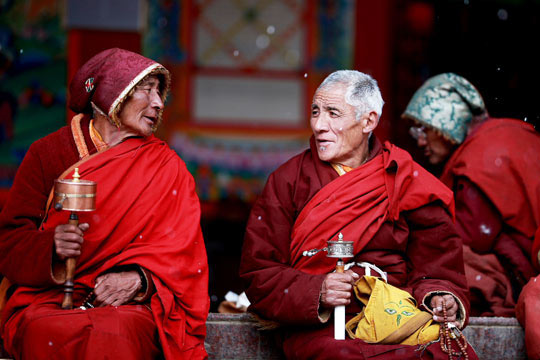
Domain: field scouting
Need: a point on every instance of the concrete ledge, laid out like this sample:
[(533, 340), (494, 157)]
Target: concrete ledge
[(235, 336), (496, 338)]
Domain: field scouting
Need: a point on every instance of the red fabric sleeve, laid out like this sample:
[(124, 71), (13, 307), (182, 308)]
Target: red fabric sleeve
[(482, 228), (26, 251), (435, 254), (276, 290)]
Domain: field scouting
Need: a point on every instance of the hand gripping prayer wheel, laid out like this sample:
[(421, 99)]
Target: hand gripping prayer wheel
[(73, 195), (340, 249)]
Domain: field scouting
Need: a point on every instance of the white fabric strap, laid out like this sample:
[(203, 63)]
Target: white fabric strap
[(367, 269)]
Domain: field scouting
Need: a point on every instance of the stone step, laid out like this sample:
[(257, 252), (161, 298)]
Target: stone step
[(235, 336)]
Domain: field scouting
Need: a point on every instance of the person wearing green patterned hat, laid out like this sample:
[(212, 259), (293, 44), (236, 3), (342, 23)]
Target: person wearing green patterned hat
[(445, 108), (493, 167)]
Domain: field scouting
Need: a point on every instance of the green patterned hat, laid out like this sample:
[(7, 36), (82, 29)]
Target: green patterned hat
[(447, 103)]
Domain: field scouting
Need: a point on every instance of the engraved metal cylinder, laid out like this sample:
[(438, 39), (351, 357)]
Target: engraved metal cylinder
[(340, 249), (77, 195)]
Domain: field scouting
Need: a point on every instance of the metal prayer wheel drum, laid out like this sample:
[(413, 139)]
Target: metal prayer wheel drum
[(340, 249), (75, 194)]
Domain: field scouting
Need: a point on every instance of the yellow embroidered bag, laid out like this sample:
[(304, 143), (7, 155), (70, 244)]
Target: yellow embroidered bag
[(390, 315)]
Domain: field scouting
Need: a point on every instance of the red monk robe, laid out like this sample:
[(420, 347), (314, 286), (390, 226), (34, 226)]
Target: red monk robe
[(413, 240), (495, 174), (147, 215)]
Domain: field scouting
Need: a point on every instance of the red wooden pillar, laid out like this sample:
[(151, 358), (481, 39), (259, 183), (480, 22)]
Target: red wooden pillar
[(373, 53)]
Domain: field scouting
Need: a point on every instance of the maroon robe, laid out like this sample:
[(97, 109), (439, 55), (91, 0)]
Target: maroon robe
[(419, 250), (135, 232), (495, 175)]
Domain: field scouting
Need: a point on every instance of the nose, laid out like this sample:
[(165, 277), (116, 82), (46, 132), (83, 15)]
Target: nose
[(319, 124), (156, 101), (421, 141)]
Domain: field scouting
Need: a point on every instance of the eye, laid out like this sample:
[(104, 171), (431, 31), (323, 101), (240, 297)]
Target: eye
[(314, 112), (407, 313), (390, 311)]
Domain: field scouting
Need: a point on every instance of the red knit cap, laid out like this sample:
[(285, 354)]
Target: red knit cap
[(107, 78)]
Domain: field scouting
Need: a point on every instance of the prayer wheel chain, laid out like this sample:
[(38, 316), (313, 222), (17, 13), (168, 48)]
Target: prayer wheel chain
[(446, 339)]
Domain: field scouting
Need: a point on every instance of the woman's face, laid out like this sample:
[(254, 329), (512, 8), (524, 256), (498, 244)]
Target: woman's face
[(140, 113), (436, 148)]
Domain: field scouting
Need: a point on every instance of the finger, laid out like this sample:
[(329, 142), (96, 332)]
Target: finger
[(340, 296), (354, 275), (68, 250), (452, 312), (436, 304), (62, 255), (105, 299), (336, 302), (84, 227), (339, 286), (342, 277), (102, 289), (118, 302), (449, 300), (68, 237), (68, 245), (68, 228), (440, 319)]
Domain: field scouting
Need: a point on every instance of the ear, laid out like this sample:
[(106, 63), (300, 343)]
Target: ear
[(370, 122)]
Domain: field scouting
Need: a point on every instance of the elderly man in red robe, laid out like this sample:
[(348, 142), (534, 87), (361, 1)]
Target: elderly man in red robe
[(398, 216), (141, 278), (493, 166)]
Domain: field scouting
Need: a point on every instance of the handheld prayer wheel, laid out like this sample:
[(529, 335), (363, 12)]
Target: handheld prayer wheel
[(340, 250), (73, 195)]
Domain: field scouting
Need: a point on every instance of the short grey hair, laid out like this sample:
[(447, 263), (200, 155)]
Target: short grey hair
[(362, 90)]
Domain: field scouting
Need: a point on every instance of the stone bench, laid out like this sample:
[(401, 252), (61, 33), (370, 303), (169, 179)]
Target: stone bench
[(235, 336)]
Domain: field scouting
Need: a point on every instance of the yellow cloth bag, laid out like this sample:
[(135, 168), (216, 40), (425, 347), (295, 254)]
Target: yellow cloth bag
[(390, 316)]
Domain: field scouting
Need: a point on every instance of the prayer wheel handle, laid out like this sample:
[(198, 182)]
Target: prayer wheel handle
[(67, 303), (73, 195)]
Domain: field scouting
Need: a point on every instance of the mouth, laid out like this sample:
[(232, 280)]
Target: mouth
[(323, 142), (151, 120)]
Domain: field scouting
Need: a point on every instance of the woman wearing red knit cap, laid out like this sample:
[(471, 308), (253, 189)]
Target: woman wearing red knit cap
[(141, 282)]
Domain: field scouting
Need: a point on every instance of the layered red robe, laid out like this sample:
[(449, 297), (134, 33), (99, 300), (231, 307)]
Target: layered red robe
[(495, 175), (411, 238), (147, 215)]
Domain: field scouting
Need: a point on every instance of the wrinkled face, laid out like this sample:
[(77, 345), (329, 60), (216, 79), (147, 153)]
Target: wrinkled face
[(436, 148), (338, 134), (140, 112)]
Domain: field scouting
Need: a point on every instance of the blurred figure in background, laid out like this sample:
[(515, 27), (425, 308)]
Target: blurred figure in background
[(493, 167)]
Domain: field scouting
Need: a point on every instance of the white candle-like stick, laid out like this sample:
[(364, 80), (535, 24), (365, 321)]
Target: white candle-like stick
[(339, 322)]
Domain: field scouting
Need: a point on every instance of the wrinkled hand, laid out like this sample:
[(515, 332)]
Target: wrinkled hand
[(116, 288), (451, 308), (68, 240), (337, 288)]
